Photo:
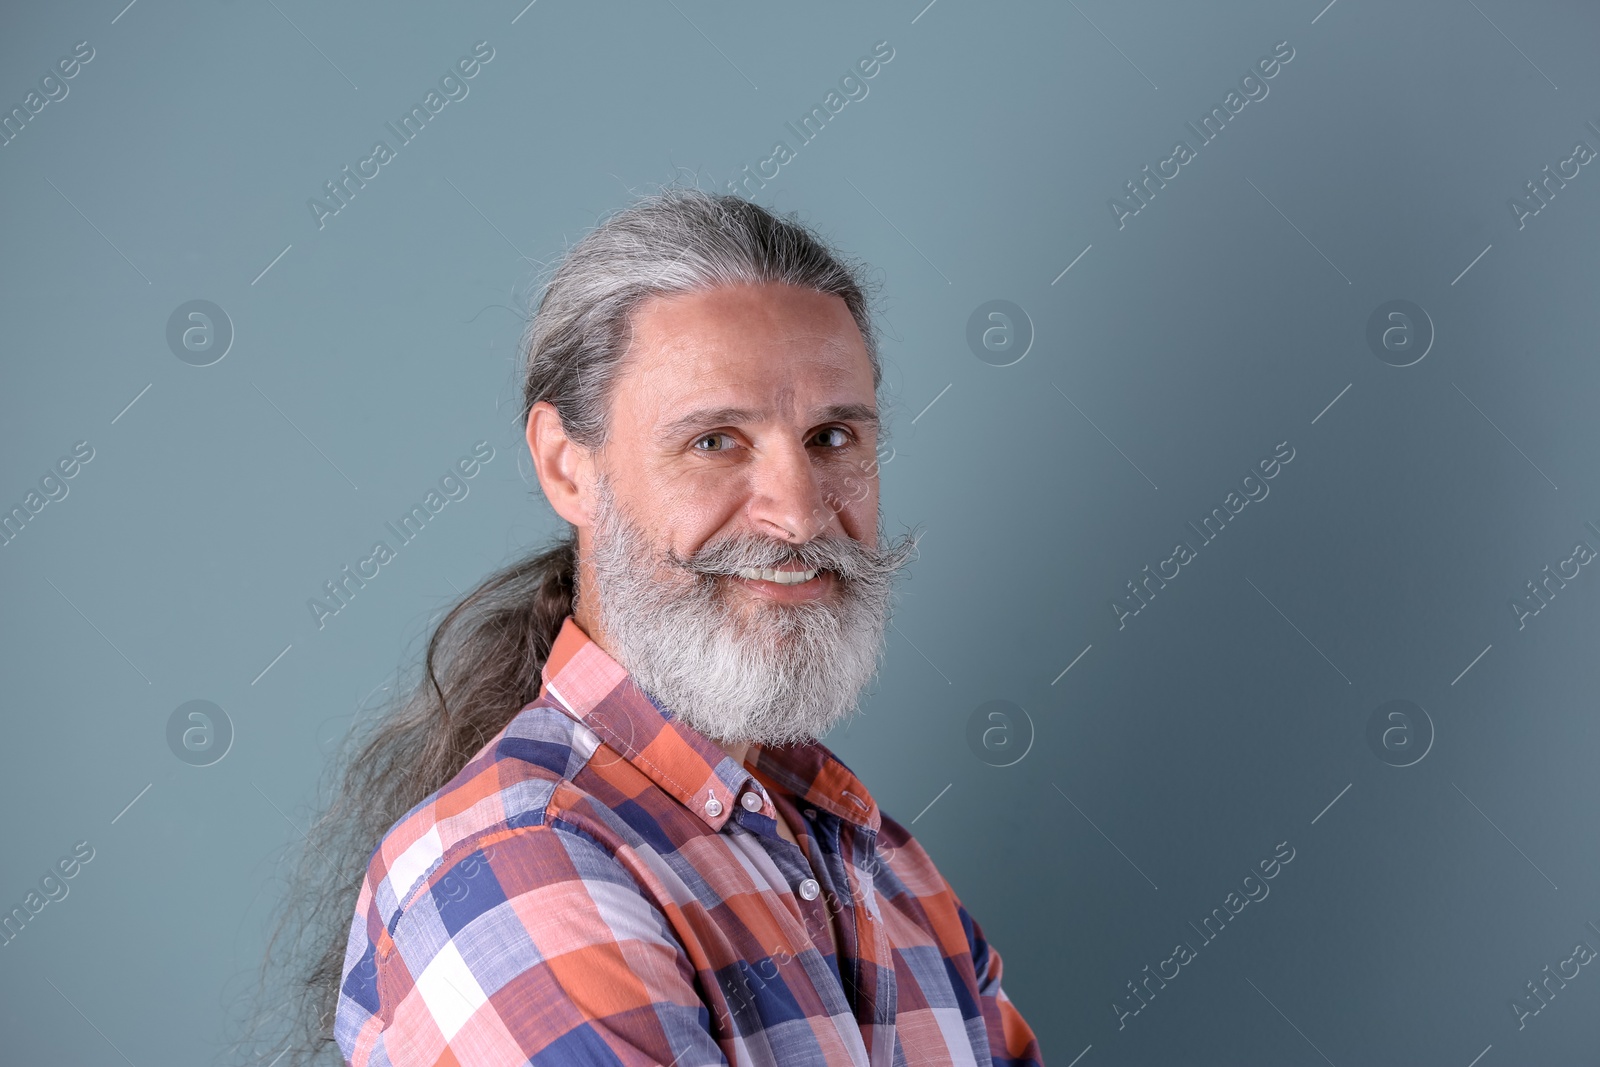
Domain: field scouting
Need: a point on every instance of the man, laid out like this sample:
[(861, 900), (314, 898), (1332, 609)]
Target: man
[(656, 860)]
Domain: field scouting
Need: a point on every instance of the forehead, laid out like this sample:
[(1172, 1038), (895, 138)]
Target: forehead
[(781, 342)]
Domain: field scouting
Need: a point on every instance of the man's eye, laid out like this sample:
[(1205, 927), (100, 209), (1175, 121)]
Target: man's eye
[(844, 436), (713, 437)]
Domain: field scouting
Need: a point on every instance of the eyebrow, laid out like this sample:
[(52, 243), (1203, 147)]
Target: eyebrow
[(707, 417)]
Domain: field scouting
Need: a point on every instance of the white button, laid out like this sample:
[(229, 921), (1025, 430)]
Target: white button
[(809, 889), (713, 807), (751, 801), (811, 813)]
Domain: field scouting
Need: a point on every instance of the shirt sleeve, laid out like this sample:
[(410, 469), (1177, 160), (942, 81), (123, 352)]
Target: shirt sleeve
[(538, 949), (1011, 1040)]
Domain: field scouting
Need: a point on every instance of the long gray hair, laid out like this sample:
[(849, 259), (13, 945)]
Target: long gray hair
[(484, 659)]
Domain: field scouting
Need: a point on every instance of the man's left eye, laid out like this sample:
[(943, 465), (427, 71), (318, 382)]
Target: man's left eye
[(713, 437), (844, 436)]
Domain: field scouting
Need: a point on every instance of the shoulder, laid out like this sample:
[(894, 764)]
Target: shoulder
[(913, 880), (521, 780), (479, 947), (904, 855)]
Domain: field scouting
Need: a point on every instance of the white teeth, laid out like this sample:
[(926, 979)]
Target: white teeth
[(780, 577)]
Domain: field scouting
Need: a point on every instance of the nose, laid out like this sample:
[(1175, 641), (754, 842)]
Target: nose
[(787, 498)]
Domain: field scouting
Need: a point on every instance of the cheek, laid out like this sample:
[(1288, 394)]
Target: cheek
[(688, 497), (687, 513), (859, 516)]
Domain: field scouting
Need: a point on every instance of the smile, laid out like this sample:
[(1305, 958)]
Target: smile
[(780, 577)]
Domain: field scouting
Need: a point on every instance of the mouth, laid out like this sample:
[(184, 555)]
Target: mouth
[(766, 574), (786, 586)]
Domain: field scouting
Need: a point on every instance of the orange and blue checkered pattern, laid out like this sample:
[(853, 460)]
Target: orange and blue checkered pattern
[(602, 884)]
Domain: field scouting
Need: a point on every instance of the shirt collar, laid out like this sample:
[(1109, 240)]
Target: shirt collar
[(584, 680)]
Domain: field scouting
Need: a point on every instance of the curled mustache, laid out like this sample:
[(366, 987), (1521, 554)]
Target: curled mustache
[(846, 557)]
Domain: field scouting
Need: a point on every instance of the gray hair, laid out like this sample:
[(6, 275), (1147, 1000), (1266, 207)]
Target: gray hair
[(678, 241)]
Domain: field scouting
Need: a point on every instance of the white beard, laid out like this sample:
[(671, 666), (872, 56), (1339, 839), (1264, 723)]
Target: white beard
[(735, 669)]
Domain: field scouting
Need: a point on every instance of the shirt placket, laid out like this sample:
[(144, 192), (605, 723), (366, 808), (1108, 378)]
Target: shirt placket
[(806, 882), (841, 887), (866, 962)]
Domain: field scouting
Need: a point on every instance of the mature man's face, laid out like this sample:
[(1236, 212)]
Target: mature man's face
[(729, 550)]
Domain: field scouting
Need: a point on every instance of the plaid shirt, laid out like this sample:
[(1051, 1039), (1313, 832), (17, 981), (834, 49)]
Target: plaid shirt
[(602, 884)]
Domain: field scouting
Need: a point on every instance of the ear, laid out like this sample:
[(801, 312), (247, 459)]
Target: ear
[(564, 467)]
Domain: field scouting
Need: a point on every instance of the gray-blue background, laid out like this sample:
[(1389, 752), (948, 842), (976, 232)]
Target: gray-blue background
[(1228, 315)]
